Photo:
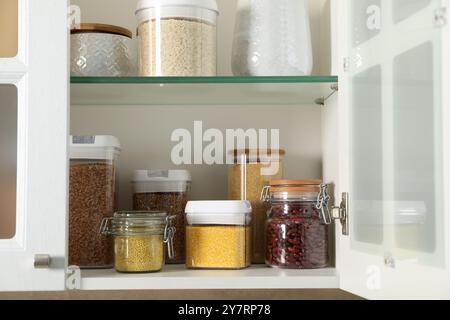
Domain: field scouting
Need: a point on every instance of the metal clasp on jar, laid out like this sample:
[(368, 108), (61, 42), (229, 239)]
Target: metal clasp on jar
[(322, 204), (169, 233)]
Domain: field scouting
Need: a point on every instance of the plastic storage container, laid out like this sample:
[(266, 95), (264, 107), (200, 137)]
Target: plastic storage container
[(272, 38), (218, 234), (167, 191), (101, 50), (297, 231), (93, 197), (252, 170), (177, 37), (139, 239)]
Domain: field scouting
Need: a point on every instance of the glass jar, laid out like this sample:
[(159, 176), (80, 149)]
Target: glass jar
[(218, 234), (101, 50), (92, 197), (139, 239), (297, 231), (272, 38), (167, 191), (177, 37), (251, 171)]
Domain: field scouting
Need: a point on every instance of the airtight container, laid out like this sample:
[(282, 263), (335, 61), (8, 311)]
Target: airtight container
[(167, 191), (297, 231), (101, 50), (92, 197), (272, 38), (177, 37), (139, 239), (251, 171), (218, 234)]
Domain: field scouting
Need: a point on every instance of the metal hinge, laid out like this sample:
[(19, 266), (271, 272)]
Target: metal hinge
[(440, 17), (341, 213), (330, 214), (73, 278)]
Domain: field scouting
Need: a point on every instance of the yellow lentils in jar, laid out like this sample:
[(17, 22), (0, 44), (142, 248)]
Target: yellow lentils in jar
[(139, 239), (218, 235)]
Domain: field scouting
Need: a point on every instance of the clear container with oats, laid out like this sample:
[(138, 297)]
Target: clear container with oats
[(218, 234), (165, 190), (252, 170), (92, 197), (177, 37), (139, 239)]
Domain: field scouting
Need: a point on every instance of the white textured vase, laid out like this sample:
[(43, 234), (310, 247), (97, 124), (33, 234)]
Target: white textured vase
[(272, 38)]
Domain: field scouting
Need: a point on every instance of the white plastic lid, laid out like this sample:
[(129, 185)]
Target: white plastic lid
[(94, 147), (218, 212), (205, 4), (161, 175)]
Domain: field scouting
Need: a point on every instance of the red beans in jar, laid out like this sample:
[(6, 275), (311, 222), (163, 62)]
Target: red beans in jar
[(296, 234)]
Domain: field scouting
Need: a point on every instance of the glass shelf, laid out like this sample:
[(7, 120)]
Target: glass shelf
[(301, 90)]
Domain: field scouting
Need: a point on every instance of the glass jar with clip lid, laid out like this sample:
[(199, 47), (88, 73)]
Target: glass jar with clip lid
[(298, 224), (139, 239)]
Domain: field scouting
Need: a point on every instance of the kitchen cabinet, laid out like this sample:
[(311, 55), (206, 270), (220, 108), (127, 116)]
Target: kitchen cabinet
[(384, 145)]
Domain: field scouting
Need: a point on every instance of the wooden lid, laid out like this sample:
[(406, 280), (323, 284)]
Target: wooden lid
[(295, 185), (102, 28), (258, 152)]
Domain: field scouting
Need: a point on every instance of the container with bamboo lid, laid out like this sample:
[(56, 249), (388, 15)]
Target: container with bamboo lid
[(101, 50)]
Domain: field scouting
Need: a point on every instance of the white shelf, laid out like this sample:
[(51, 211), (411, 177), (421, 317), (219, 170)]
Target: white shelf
[(178, 278)]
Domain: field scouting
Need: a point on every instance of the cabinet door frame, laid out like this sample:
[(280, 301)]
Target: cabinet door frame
[(368, 275), (40, 72)]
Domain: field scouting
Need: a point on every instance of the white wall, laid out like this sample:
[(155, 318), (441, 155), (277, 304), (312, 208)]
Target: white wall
[(145, 131)]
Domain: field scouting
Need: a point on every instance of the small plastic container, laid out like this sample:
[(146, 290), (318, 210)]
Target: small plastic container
[(101, 50), (251, 171), (167, 191), (177, 37), (139, 239), (218, 234), (297, 230), (92, 197)]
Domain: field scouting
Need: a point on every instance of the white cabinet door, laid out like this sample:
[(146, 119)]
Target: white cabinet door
[(395, 164), (34, 96)]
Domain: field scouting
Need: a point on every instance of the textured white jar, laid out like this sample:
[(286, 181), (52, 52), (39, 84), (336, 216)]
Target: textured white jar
[(272, 38), (101, 50)]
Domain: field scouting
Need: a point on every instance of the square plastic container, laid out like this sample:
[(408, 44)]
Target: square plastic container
[(93, 197), (218, 234), (166, 191)]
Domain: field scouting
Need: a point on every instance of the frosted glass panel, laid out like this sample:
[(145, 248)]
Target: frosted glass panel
[(8, 160), (403, 9), (418, 165), (8, 28), (367, 20), (367, 157)]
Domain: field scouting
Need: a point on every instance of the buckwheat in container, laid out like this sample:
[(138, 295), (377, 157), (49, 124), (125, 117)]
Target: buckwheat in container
[(177, 37)]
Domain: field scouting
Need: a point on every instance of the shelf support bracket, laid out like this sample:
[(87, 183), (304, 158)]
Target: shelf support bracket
[(321, 101)]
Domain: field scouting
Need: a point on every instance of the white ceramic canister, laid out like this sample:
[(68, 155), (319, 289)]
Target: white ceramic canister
[(101, 50), (272, 38)]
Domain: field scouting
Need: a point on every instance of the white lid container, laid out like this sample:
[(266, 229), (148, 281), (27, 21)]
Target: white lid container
[(152, 181), (218, 213), (149, 9), (94, 148)]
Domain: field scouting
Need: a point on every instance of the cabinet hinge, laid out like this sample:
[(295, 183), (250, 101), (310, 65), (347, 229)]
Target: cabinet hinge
[(331, 213), (73, 278), (341, 213), (440, 17)]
